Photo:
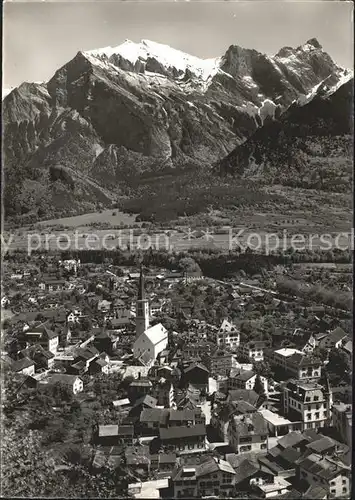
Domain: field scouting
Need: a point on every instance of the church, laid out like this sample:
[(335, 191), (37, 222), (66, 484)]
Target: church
[(150, 340)]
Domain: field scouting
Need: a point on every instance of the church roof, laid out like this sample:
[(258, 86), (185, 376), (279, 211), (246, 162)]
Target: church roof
[(156, 333)]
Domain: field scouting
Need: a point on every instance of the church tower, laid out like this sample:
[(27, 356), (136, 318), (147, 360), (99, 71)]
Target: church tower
[(142, 308)]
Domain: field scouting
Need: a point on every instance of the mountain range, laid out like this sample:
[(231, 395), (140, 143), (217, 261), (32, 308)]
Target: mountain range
[(113, 119)]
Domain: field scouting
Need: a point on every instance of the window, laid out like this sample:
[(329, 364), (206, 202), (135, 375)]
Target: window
[(308, 398), (263, 446), (345, 490), (333, 491), (324, 414), (316, 398), (332, 483), (344, 481), (309, 408), (309, 416), (317, 415)]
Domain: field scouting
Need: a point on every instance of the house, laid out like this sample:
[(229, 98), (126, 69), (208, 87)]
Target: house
[(184, 438), (222, 414), (42, 358), (72, 382), (104, 342), (110, 435), (307, 402), (186, 417), (239, 379), (137, 458), (150, 421), (334, 339), (196, 374), (253, 350), (250, 396), (163, 463), (44, 336), (52, 285), (277, 424), (26, 366), (270, 489), (98, 365), (329, 472), (342, 420), (212, 477), (246, 470), (248, 433), (296, 363), (86, 355), (223, 362), (138, 388), (228, 335)]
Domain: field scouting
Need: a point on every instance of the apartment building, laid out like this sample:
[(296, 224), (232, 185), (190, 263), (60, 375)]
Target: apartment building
[(307, 402)]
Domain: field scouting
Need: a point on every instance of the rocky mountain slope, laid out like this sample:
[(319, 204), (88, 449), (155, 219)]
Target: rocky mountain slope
[(310, 145), (113, 115)]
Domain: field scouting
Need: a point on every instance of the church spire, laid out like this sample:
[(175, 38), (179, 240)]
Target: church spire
[(141, 291), (142, 308)]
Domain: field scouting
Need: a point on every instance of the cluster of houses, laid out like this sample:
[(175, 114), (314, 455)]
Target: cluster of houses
[(198, 421)]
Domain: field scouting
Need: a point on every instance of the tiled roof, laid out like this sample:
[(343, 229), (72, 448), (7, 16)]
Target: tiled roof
[(151, 415), (212, 465), (323, 466), (245, 470), (182, 432), (291, 439), (251, 424), (249, 396), (322, 444), (21, 364)]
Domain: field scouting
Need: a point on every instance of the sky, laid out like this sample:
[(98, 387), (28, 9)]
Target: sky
[(39, 37)]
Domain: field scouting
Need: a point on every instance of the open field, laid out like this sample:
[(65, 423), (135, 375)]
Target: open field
[(112, 217)]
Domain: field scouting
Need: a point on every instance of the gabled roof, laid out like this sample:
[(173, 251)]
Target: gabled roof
[(245, 470), (62, 378), (179, 415), (227, 327), (196, 365), (214, 465), (323, 466), (152, 415), (182, 432), (291, 439), (244, 376), (323, 444), (21, 364), (156, 333), (115, 430), (146, 400)]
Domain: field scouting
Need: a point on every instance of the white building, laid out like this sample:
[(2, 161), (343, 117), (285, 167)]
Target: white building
[(307, 402), (150, 343), (228, 335)]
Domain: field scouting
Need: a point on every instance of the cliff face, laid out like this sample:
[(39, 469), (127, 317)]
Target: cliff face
[(112, 114), (310, 145)]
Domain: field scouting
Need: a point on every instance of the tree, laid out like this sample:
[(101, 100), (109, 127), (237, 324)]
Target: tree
[(259, 386), (338, 367)]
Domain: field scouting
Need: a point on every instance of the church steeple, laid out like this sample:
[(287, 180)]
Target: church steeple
[(142, 307), (141, 291)]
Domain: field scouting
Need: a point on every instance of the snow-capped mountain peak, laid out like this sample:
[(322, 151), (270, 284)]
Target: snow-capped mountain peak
[(166, 57)]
